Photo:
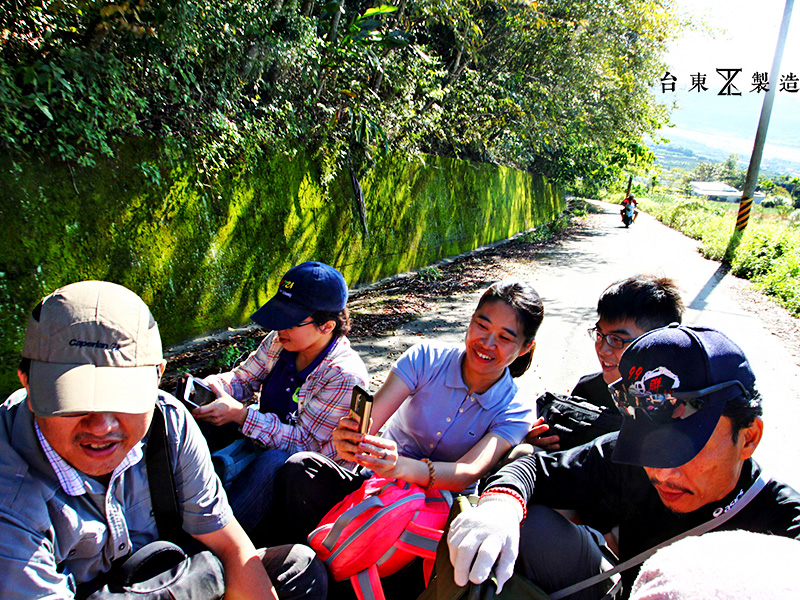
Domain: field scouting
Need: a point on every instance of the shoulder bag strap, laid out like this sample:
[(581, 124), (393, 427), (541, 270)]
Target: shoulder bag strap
[(161, 481), (751, 493)]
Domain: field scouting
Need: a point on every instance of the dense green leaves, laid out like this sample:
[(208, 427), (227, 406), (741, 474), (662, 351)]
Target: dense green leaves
[(561, 87)]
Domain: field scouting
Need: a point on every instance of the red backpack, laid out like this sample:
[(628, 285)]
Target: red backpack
[(378, 529)]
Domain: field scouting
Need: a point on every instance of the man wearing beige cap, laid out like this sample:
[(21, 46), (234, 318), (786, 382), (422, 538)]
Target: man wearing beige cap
[(74, 495)]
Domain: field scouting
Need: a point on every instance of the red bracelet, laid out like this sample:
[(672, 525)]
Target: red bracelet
[(508, 492)]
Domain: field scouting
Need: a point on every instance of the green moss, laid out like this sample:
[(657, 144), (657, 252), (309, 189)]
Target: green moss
[(205, 254)]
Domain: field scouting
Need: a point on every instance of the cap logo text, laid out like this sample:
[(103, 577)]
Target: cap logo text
[(99, 345), (721, 510)]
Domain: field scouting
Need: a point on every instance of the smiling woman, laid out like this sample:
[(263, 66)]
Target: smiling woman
[(450, 413)]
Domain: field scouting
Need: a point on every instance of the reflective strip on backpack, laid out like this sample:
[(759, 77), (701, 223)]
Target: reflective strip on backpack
[(446, 497), (371, 521), (344, 519), (421, 542), (389, 553), (367, 585)]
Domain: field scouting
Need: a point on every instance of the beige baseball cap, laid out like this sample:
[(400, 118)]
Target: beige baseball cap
[(94, 347)]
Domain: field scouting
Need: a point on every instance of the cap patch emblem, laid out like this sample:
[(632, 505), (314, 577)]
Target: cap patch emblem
[(657, 381)]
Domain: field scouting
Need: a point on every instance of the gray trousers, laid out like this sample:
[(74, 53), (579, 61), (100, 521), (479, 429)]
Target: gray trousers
[(296, 572), (555, 553)]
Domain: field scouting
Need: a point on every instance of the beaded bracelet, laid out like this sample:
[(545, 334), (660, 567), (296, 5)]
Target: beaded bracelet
[(431, 473), (508, 492)]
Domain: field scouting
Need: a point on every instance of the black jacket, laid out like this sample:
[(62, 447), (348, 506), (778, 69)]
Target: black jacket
[(594, 389), (606, 493)]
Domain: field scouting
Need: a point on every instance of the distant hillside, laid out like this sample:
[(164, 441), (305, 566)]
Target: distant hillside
[(709, 128), (686, 153)]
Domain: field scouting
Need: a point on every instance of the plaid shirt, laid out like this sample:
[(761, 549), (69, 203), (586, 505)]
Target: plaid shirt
[(323, 399)]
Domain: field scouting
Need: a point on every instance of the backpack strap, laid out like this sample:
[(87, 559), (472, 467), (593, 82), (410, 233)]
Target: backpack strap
[(346, 518), (758, 485), (367, 584), (421, 541)]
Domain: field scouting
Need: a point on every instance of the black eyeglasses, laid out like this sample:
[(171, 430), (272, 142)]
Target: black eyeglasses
[(612, 339), (667, 406), (303, 324)]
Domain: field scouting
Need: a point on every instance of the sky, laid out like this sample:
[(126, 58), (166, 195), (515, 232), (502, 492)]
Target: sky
[(745, 36)]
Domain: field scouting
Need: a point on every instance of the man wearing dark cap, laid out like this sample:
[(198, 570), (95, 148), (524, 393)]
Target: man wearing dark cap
[(692, 420), (303, 371), (74, 484)]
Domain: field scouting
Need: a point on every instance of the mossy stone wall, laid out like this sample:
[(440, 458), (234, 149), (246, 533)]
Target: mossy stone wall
[(204, 253)]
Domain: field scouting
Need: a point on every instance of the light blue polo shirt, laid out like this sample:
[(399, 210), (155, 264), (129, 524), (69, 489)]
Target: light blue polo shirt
[(439, 419)]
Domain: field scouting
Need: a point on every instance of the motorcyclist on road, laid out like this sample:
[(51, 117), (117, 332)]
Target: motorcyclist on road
[(627, 204)]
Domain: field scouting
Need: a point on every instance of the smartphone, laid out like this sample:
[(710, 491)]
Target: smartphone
[(202, 394), (196, 393), (361, 408)]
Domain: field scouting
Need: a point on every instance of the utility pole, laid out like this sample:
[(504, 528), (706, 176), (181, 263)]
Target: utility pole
[(763, 124)]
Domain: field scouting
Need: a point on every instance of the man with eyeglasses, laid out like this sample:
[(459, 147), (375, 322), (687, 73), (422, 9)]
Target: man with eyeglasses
[(691, 422), (626, 309)]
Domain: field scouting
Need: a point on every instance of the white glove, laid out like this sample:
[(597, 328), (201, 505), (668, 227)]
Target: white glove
[(488, 535)]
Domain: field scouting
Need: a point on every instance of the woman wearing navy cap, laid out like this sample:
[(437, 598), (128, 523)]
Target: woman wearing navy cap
[(303, 371)]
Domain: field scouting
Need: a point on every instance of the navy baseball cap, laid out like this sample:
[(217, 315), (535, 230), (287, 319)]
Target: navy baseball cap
[(676, 381), (304, 289)]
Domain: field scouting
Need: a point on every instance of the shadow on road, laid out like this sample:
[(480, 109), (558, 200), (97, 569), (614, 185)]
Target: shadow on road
[(562, 313), (575, 250), (699, 302)]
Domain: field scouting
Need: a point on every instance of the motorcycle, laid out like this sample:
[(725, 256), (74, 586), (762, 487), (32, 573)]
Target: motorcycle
[(628, 214)]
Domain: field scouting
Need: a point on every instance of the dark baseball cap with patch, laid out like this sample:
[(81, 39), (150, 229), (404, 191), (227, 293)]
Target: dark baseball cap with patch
[(303, 290), (676, 382)]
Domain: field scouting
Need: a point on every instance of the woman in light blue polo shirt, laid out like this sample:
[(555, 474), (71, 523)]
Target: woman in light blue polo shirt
[(451, 413)]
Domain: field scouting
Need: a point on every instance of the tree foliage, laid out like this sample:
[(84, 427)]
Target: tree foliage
[(727, 172), (560, 87)]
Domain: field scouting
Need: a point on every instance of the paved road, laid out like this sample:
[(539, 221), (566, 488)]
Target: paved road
[(571, 275)]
